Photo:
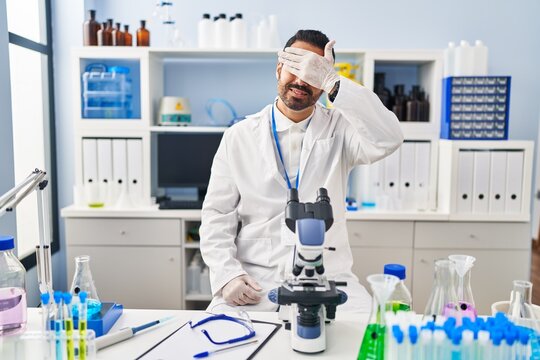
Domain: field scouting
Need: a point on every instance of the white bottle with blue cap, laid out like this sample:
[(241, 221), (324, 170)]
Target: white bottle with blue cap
[(401, 299), (12, 289)]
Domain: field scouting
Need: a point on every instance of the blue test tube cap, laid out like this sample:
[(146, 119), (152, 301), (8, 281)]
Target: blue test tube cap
[(480, 323), (57, 297), (467, 323), (413, 334), (82, 296), (496, 337), (45, 298), (511, 335), (456, 336), (67, 298), (398, 334), (524, 336)]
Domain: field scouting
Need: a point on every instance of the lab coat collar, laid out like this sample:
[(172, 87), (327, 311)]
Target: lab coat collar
[(283, 123)]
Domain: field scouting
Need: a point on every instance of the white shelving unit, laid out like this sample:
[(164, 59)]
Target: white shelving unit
[(376, 236)]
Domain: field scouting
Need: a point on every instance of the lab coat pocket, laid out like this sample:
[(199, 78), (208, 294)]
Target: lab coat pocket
[(254, 251), (323, 148)]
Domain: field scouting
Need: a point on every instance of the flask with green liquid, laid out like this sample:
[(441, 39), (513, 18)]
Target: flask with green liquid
[(401, 297), (382, 286)]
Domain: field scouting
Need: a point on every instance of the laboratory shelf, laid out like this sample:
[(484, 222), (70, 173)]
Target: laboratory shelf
[(198, 297), (187, 129), (192, 245)]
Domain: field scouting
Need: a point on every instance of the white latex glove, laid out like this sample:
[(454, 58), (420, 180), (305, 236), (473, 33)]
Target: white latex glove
[(241, 290), (316, 70)]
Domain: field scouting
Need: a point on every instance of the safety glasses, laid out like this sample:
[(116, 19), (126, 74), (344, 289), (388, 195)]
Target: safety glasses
[(243, 320)]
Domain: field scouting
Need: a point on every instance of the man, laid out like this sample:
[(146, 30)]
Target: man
[(294, 142)]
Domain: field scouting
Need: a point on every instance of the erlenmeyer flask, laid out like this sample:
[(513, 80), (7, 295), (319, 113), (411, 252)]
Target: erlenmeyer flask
[(83, 281), (520, 301), (443, 299), (463, 265), (382, 286)]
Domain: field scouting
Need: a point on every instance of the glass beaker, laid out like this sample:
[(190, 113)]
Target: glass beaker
[(83, 281), (443, 299), (520, 301), (382, 286), (463, 265)]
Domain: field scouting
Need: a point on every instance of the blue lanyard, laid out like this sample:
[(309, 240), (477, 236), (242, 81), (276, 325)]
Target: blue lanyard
[(276, 139)]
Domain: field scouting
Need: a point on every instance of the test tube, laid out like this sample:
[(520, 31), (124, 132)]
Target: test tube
[(58, 324), (483, 348), (83, 307), (68, 325), (426, 340), (439, 348), (467, 345), (45, 324)]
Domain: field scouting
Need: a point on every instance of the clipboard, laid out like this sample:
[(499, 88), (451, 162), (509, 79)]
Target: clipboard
[(185, 342)]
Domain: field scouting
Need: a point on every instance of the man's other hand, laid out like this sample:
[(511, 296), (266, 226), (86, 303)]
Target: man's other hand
[(242, 290)]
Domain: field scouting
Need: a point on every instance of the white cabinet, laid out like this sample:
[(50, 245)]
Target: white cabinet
[(135, 262)]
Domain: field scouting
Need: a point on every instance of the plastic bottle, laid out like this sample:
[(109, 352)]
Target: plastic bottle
[(205, 32), (263, 35), (275, 41), (90, 29), (143, 35), (205, 281), (401, 298), (449, 59), (128, 38), (480, 59), (12, 289), (194, 277), (464, 60), (239, 32), (118, 37), (221, 32)]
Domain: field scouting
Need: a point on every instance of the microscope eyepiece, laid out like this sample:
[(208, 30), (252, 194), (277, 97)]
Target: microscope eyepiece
[(292, 195), (322, 195)]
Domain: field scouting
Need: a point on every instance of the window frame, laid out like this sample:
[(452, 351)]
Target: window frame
[(29, 261)]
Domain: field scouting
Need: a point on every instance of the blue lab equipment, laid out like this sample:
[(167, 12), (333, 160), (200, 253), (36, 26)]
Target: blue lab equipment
[(244, 322)]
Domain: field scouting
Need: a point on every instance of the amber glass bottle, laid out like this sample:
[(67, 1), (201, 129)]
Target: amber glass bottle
[(143, 35), (107, 33), (128, 38), (90, 29), (101, 34), (117, 36)]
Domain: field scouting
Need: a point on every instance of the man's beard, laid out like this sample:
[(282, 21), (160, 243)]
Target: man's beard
[(294, 103)]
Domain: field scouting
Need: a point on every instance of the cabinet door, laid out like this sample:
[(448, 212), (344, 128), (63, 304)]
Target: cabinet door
[(491, 278), (369, 261), (380, 233), (136, 277)]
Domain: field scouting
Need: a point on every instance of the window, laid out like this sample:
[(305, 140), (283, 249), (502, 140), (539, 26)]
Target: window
[(30, 67)]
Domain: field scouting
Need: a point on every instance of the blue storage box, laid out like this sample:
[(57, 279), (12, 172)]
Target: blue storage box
[(475, 107)]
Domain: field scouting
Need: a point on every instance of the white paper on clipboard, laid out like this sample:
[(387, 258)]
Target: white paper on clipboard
[(186, 342)]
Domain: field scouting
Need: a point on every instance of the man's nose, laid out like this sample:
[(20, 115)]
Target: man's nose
[(300, 82)]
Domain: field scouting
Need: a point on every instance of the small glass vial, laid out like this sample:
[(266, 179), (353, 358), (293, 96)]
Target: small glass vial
[(401, 299), (128, 38), (12, 289), (143, 35), (118, 36), (90, 29)]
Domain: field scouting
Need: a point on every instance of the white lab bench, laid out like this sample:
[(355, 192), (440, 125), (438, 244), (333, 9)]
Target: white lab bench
[(343, 337), (139, 253)]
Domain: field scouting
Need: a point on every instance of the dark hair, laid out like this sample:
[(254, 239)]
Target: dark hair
[(313, 37)]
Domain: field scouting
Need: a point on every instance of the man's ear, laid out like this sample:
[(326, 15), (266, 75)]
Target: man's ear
[(278, 70)]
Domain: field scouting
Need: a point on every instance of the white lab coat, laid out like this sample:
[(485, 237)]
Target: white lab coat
[(247, 186)]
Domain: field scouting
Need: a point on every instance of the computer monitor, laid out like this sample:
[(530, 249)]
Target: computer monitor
[(185, 159)]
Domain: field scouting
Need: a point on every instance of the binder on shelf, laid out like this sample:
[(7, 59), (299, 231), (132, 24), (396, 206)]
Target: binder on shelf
[(391, 175), (135, 170), (104, 161), (371, 182), (480, 202), (464, 182), (497, 182), (407, 175), (421, 174), (90, 163), (514, 181), (119, 147)]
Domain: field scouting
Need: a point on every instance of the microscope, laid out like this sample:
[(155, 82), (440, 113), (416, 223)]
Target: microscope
[(308, 300)]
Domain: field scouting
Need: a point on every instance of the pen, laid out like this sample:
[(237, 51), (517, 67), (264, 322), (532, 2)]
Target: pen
[(208, 353), (125, 333)]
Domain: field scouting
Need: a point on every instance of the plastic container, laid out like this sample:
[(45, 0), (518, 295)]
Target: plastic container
[(464, 60), (239, 32), (449, 59), (221, 32), (205, 281), (205, 32), (12, 289), (480, 59), (107, 92), (194, 277), (401, 298)]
